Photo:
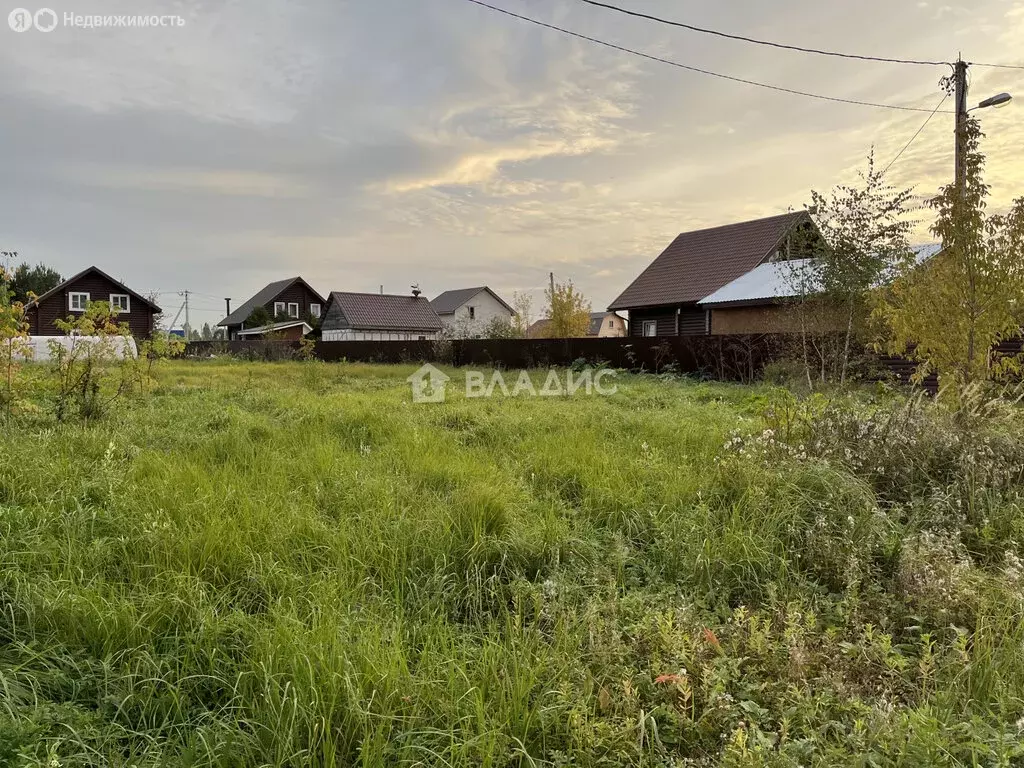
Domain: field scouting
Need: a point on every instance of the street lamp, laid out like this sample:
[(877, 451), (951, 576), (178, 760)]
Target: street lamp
[(999, 100)]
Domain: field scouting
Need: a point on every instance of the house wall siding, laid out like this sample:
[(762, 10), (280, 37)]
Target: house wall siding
[(692, 321), (43, 317), (775, 318), (616, 329), (297, 293), (486, 309)]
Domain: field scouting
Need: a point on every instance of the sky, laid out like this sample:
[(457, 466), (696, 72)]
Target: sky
[(361, 143)]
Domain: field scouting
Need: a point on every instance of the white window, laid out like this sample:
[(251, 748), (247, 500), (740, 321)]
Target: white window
[(314, 310), (121, 302), (278, 308), (650, 327), (293, 310), (472, 313), (77, 302)]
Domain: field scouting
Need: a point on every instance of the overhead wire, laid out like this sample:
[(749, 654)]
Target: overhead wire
[(914, 137), (755, 41), (699, 70)]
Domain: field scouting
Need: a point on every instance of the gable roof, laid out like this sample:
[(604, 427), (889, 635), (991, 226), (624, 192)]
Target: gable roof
[(596, 321), (382, 312), (698, 263), (781, 279), (449, 301), (264, 296), (105, 276)]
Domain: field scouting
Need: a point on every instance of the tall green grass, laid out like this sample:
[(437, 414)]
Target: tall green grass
[(293, 565)]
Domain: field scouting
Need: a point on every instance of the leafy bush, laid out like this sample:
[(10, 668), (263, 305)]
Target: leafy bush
[(95, 369)]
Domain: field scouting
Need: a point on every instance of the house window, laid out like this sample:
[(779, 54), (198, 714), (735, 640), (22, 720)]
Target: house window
[(121, 302), (423, 338), (278, 308), (650, 327), (472, 313), (293, 310), (77, 302), (611, 323), (314, 310)]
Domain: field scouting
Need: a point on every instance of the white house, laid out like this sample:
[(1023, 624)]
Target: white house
[(378, 317), (469, 311)]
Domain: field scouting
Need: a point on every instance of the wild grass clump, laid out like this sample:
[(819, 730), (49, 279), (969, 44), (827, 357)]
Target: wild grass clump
[(291, 564)]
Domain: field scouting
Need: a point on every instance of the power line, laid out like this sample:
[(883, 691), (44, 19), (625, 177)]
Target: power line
[(698, 70), (755, 41), (998, 66), (914, 137)]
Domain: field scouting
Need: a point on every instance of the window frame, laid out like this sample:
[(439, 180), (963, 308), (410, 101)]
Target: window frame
[(649, 324), (283, 309), (315, 310), (293, 315), (127, 303), (71, 301), (472, 313)]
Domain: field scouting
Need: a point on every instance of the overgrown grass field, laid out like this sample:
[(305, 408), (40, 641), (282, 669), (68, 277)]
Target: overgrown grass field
[(291, 564)]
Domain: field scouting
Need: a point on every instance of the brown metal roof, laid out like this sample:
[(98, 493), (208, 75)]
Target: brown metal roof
[(381, 312), (698, 263)]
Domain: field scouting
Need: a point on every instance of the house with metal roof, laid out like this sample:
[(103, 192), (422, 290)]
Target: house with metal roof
[(755, 302), (378, 317), (664, 300), (74, 295), (284, 300), (467, 312)]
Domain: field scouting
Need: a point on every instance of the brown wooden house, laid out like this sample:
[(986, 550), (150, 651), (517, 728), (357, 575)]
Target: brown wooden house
[(292, 298), (71, 298), (665, 299)]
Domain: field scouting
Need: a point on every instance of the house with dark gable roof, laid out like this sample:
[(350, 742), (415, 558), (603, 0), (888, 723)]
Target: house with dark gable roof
[(665, 300), (469, 311), (76, 293), (292, 298), (378, 317)]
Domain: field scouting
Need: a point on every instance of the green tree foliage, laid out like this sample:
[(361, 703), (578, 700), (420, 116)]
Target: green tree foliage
[(568, 311), (954, 309), (96, 369), (865, 229), (259, 317), (500, 328), (36, 280), (14, 341), (207, 334), (522, 303)]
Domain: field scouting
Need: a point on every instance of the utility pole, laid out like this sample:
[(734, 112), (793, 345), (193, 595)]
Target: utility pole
[(188, 325), (551, 279), (960, 92)]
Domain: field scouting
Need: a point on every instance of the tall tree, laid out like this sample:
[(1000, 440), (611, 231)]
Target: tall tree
[(207, 334), (522, 303), (568, 311), (38, 280), (955, 308), (865, 229)]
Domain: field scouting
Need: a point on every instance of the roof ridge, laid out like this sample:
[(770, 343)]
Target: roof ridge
[(741, 223)]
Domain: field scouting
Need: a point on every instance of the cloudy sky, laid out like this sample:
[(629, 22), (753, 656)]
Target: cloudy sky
[(369, 142)]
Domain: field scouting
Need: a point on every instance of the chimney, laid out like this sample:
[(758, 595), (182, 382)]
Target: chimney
[(416, 291), (382, 290), (228, 303)]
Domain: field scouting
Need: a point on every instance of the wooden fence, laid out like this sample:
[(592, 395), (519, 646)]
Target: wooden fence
[(726, 358)]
